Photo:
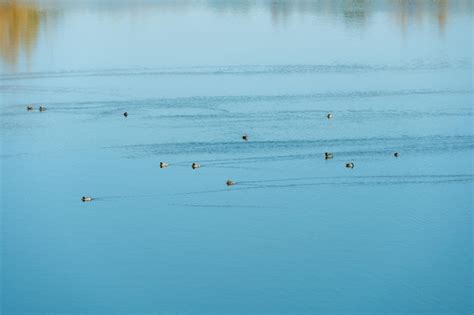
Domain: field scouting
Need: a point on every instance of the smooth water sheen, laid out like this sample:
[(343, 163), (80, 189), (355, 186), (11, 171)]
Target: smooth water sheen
[(297, 234)]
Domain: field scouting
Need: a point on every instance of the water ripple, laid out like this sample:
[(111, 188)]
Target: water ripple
[(245, 70)]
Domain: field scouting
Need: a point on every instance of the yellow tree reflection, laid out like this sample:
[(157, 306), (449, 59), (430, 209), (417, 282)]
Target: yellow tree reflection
[(19, 28)]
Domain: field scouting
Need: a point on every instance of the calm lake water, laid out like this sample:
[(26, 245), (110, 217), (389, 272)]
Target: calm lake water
[(297, 234)]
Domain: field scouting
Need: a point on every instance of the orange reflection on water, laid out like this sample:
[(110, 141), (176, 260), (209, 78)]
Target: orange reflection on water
[(20, 20), (19, 29)]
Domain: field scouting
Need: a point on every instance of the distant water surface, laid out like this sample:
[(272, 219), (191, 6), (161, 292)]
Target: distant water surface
[(297, 234)]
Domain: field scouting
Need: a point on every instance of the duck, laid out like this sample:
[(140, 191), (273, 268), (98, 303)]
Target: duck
[(163, 164), (125, 114), (350, 165), (195, 165), (330, 116), (230, 182), (30, 108), (396, 154), (328, 155), (245, 137), (42, 109), (86, 198)]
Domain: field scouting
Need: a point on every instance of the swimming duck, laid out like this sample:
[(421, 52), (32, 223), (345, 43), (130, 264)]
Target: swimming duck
[(328, 155), (195, 165), (330, 116), (245, 137), (42, 109), (86, 198), (163, 164), (350, 165), (30, 108), (125, 114), (396, 154), (230, 182)]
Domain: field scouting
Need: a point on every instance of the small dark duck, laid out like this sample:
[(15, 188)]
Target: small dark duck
[(42, 109), (245, 137), (230, 182), (350, 165), (195, 165), (125, 114), (163, 164), (396, 154), (86, 199), (330, 116), (30, 108), (328, 155)]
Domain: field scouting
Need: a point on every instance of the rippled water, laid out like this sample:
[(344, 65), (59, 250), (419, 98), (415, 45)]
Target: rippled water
[(297, 234)]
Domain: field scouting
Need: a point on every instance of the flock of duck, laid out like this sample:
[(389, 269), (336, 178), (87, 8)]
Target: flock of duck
[(245, 137), (31, 108)]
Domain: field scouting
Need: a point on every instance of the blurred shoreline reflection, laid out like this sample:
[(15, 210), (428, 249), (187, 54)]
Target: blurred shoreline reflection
[(21, 21)]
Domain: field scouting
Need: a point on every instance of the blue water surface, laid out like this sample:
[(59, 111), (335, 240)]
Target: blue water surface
[(297, 234)]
